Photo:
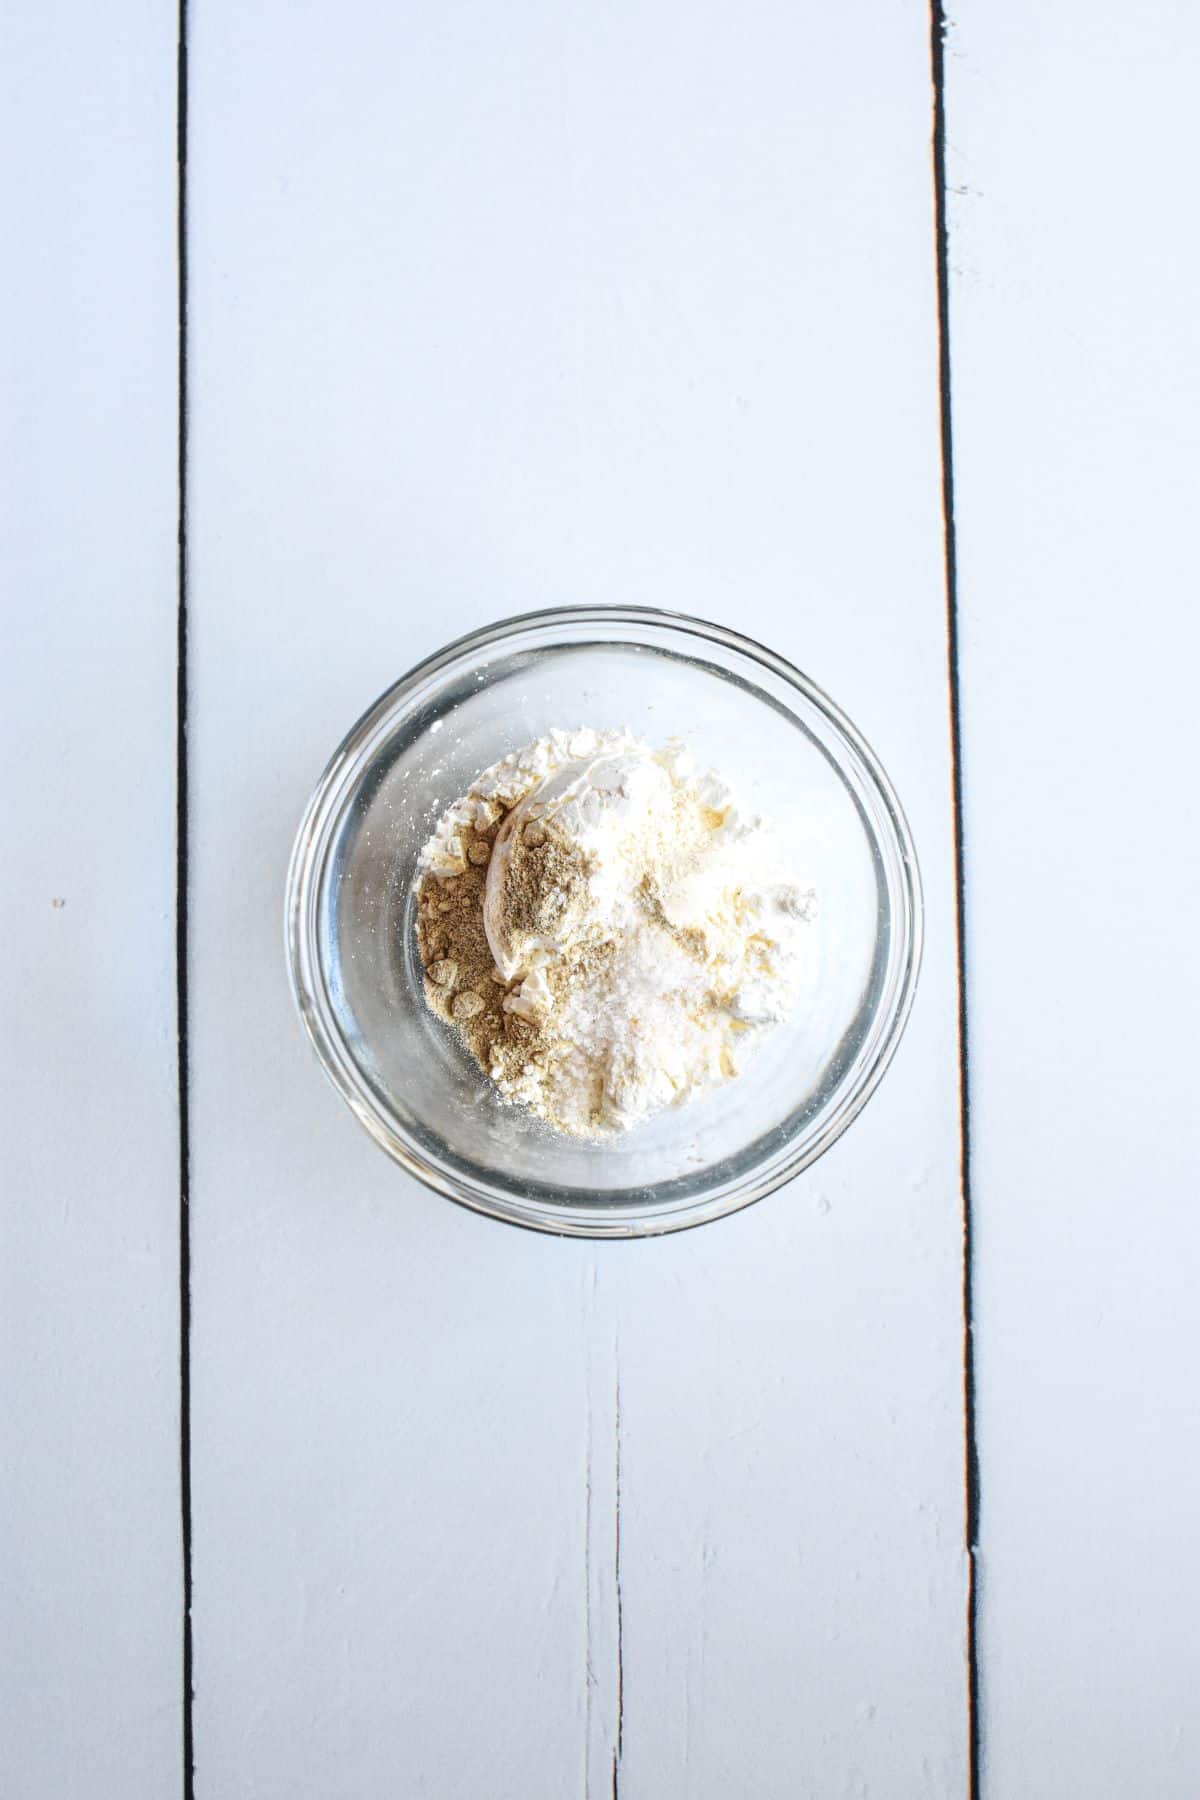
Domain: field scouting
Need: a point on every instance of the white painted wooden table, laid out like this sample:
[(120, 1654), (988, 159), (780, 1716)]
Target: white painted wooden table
[(489, 308)]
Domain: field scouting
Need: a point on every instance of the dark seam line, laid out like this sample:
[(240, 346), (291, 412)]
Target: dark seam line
[(181, 916), (971, 1449), (620, 1743)]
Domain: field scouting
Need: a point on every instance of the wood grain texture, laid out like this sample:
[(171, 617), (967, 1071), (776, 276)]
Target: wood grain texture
[(1073, 149), (492, 309), (90, 1685)]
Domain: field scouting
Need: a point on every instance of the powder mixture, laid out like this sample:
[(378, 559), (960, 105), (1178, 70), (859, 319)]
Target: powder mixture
[(606, 930)]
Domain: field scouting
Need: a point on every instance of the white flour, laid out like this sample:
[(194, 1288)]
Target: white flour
[(643, 930)]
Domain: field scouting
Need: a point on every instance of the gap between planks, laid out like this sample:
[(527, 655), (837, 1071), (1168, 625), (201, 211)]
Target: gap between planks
[(939, 27), (181, 907), (603, 1606)]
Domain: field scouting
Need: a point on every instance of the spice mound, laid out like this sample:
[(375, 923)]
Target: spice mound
[(606, 930)]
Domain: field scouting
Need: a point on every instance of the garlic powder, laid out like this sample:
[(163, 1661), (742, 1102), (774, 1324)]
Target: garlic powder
[(607, 930)]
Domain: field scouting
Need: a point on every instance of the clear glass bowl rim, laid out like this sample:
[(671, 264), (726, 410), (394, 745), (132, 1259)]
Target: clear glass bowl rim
[(304, 878)]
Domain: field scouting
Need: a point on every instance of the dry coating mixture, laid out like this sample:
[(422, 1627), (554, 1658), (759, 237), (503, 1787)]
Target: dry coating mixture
[(606, 930)]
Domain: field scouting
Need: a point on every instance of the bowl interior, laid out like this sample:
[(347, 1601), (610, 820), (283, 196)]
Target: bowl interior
[(783, 751)]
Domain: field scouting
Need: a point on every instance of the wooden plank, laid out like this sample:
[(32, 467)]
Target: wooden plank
[(792, 1459), (90, 1682), (493, 308), (389, 1395), (1076, 392)]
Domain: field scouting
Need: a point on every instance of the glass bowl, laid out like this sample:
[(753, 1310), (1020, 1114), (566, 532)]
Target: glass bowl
[(784, 747)]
